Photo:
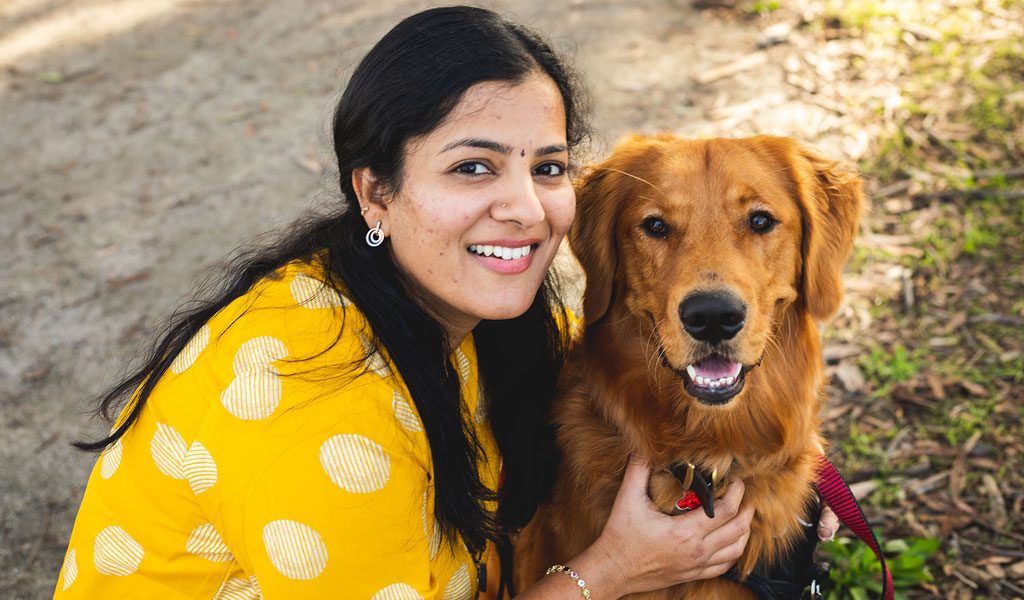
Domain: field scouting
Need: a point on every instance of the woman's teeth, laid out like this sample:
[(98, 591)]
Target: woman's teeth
[(501, 252)]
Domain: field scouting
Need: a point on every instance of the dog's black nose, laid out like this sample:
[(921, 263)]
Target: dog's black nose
[(712, 317)]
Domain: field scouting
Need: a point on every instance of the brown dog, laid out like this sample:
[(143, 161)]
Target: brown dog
[(708, 264)]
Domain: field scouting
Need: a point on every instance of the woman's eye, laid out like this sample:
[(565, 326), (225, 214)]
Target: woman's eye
[(472, 168), (761, 222), (655, 227), (550, 170)]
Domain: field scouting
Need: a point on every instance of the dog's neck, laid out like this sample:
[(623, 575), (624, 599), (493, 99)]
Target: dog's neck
[(647, 404)]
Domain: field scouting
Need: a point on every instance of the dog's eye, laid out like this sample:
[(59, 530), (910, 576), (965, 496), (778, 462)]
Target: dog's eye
[(655, 227), (761, 222)]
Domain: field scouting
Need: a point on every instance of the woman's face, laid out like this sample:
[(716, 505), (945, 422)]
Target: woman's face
[(484, 203)]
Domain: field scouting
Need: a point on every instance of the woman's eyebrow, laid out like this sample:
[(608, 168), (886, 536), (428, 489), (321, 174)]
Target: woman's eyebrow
[(553, 149), (499, 147), (478, 143)]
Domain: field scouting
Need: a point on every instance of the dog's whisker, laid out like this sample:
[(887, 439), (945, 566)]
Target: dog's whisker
[(640, 179)]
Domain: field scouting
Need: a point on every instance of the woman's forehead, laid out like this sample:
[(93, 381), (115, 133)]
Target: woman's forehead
[(504, 109)]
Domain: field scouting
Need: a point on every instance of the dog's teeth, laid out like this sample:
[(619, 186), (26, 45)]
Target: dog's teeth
[(729, 380), (692, 373), (714, 384), (736, 370)]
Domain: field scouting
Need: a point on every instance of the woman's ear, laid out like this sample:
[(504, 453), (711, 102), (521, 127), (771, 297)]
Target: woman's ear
[(371, 195)]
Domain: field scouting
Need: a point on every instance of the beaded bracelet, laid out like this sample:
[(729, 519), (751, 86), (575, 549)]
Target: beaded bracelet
[(575, 577)]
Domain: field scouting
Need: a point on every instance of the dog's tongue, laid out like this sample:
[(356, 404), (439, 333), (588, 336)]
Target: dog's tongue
[(715, 367)]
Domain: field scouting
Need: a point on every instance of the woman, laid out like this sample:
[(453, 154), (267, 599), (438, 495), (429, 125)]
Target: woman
[(318, 429)]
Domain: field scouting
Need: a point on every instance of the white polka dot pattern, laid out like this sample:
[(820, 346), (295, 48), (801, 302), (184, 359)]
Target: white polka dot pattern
[(110, 459), (405, 414), (355, 463), (430, 529), (168, 449), (296, 550), (398, 591), (459, 587), (238, 588), (199, 468), (116, 553), (69, 572), (374, 361), (256, 390), (312, 293), (206, 542), (462, 363), (191, 351)]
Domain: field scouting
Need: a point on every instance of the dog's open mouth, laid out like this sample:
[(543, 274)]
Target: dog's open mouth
[(714, 379)]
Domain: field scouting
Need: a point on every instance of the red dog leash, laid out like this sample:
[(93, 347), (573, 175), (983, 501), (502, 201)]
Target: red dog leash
[(834, 490)]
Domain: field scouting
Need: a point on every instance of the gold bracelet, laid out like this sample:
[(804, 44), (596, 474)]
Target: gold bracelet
[(575, 577)]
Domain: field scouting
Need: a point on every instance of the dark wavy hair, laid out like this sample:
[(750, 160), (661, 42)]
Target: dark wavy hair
[(403, 89)]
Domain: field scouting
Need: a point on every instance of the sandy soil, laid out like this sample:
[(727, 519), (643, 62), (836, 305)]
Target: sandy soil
[(142, 140)]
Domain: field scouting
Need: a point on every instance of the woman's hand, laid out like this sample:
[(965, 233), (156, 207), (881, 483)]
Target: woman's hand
[(828, 524), (643, 549)]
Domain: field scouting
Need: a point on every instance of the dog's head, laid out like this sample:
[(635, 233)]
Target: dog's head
[(710, 243)]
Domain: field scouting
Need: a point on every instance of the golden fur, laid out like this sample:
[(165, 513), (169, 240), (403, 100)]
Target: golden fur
[(621, 390)]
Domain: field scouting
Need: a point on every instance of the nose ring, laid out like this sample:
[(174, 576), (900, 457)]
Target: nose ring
[(504, 204)]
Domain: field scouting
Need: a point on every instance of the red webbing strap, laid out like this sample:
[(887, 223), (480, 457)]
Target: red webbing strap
[(837, 494)]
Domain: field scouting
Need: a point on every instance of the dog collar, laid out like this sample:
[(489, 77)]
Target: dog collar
[(699, 485)]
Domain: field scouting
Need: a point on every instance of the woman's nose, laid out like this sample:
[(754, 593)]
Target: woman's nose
[(519, 202)]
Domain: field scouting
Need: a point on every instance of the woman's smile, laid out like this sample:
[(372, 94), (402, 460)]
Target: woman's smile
[(505, 256)]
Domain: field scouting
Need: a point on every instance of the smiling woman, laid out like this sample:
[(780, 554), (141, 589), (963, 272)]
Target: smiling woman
[(333, 420), (483, 205)]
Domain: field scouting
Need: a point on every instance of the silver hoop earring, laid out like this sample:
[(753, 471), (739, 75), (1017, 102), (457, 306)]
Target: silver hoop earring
[(375, 236)]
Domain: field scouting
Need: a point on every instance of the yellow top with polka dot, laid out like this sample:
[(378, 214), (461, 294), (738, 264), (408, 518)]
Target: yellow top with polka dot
[(251, 473)]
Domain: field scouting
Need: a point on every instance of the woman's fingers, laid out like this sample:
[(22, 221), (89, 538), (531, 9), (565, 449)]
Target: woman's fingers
[(828, 524), (726, 543), (636, 478), (726, 509), (715, 544)]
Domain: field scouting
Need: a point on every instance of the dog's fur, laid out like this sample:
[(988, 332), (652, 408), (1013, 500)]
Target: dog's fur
[(623, 388)]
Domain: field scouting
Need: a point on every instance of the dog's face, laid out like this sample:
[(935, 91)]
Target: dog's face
[(709, 243)]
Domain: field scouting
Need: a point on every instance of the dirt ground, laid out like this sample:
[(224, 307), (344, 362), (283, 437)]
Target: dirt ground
[(141, 141)]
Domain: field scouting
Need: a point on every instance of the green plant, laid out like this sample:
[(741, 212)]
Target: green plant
[(761, 7), (977, 236), (890, 368), (856, 573)]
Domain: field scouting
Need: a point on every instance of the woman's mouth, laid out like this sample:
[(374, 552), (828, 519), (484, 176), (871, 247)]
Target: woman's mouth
[(502, 252), (508, 258)]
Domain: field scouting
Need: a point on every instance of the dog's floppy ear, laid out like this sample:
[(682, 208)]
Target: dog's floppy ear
[(592, 238), (832, 205), (831, 202), (601, 194)]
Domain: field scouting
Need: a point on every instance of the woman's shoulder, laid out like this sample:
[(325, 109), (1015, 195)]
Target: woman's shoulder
[(291, 355), (293, 322), (297, 304)]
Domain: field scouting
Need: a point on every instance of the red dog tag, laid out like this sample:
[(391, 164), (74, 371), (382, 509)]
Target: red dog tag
[(688, 502)]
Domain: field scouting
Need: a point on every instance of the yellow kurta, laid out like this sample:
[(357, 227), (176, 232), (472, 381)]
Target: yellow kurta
[(258, 469)]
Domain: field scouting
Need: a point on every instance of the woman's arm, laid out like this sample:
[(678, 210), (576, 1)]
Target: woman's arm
[(643, 549)]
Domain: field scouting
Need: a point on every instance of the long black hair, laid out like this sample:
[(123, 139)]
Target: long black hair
[(403, 89)]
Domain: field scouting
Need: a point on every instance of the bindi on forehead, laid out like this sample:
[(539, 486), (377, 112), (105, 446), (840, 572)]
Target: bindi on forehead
[(522, 153)]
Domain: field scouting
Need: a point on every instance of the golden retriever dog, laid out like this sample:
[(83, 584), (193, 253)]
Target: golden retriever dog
[(708, 265)]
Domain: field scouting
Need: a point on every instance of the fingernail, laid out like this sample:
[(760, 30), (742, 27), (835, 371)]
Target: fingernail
[(826, 533)]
